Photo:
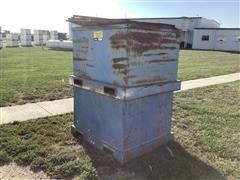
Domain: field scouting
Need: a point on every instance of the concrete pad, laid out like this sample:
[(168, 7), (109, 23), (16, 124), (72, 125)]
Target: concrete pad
[(186, 85), (58, 107), (21, 113)]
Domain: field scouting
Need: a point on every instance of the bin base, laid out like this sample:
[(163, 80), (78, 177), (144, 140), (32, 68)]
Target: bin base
[(121, 156)]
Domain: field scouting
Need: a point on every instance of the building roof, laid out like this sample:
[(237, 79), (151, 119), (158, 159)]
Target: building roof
[(183, 17), (219, 28), (98, 18)]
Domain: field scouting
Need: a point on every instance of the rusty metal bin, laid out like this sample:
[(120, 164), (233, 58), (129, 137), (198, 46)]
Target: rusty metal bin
[(125, 73)]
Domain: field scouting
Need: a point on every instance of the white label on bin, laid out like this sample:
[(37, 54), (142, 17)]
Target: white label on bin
[(98, 35)]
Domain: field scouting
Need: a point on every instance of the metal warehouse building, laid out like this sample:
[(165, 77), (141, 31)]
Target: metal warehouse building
[(224, 39), (186, 25)]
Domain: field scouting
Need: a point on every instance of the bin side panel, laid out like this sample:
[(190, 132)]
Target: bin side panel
[(147, 120), (126, 57), (98, 116), (153, 57), (96, 60)]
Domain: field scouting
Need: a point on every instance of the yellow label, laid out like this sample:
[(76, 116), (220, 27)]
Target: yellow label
[(98, 35)]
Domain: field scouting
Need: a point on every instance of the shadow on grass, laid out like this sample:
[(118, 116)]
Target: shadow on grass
[(159, 164)]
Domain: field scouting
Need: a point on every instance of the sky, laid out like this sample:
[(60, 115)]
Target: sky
[(52, 14)]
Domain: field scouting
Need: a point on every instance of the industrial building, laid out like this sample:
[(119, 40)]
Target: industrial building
[(186, 25), (224, 39)]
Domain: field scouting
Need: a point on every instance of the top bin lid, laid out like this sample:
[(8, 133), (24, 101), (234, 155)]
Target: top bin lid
[(88, 21)]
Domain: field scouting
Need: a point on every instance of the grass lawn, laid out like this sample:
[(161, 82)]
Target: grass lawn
[(36, 74), (206, 146), (194, 64), (33, 74)]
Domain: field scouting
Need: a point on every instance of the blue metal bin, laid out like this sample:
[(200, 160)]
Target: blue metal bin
[(125, 73)]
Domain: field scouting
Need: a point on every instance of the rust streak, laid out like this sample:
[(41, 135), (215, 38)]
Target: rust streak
[(125, 79), (132, 76), (116, 60), (153, 80), (83, 75), (89, 65), (160, 54), (161, 60), (139, 42), (119, 66), (79, 59), (93, 90)]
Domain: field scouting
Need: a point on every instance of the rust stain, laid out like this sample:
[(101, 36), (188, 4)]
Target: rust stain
[(83, 40), (89, 65), (79, 59), (125, 71), (132, 76), (116, 60), (139, 42), (158, 54), (125, 79), (119, 66), (136, 63), (83, 44), (178, 34), (160, 60), (151, 147), (153, 80), (114, 82), (93, 90), (83, 75)]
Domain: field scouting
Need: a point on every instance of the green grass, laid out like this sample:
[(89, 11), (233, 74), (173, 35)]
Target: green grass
[(206, 146), (194, 64), (36, 74), (33, 74)]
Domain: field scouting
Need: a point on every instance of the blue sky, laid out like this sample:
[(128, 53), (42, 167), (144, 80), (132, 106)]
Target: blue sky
[(225, 12), (52, 14)]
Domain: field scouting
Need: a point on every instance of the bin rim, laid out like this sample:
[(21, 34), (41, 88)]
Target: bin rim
[(88, 21)]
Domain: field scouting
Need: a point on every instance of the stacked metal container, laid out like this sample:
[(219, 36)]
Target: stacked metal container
[(12, 40), (1, 43), (26, 38), (38, 37), (125, 73), (53, 35), (46, 36)]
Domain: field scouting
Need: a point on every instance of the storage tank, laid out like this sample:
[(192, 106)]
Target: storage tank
[(60, 45)]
